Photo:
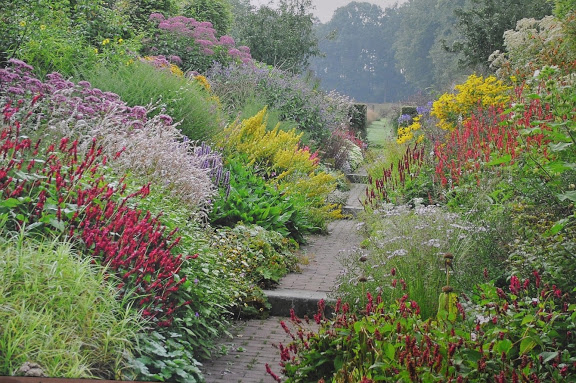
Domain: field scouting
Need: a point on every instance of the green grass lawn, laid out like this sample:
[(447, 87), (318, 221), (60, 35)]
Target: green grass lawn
[(379, 132)]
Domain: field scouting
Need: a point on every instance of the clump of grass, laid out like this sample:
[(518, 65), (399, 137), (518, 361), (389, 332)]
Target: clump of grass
[(406, 247), (187, 101), (61, 312)]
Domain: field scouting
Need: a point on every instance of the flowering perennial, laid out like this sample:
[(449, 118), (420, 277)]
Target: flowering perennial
[(54, 186), (451, 109)]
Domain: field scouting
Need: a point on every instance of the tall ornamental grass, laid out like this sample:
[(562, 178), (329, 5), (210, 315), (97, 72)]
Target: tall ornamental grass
[(62, 312), (187, 101)]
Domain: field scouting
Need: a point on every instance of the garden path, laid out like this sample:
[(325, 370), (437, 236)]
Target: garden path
[(252, 345)]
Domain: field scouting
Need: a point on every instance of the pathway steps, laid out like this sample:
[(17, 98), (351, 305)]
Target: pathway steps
[(252, 346)]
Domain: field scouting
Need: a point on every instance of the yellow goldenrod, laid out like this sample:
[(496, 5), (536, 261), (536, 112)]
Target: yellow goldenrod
[(475, 92)]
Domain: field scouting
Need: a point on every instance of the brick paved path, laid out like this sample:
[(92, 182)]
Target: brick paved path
[(252, 345)]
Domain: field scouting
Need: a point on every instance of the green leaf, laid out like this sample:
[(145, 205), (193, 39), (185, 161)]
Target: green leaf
[(559, 166), (558, 226), (528, 318), (548, 356), (527, 345), (571, 195), (560, 146), (10, 202), (504, 345), (500, 160), (390, 351)]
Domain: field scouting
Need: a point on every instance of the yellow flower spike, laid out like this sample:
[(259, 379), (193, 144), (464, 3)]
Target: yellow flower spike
[(22, 23), (120, 40), (42, 27), (105, 41)]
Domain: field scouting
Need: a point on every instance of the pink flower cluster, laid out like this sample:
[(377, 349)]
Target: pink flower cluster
[(187, 37)]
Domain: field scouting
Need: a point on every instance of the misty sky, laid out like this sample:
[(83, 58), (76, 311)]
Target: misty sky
[(325, 8)]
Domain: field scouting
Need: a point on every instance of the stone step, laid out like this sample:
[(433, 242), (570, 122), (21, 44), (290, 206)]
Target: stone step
[(357, 178), (352, 210), (302, 301)]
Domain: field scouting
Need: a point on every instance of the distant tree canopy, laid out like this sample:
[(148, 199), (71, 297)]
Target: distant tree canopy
[(418, 47), (482, 26), (282, 36), (358, 55)]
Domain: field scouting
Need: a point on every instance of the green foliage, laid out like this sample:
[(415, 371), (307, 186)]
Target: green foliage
[(218, 12), (252, 200), (61, 311), (139, 11), (251, 258), (164, 356), (563, 8), (57, 36), (317, 113)]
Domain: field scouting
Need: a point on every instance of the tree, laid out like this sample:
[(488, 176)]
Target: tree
[(139, 11), (482, 27), (358, 60), (282, 37), (424, 27), (218, 12)]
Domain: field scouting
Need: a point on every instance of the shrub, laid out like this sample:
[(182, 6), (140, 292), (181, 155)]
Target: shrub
[(533, 44), (58, 35), (251, 258), (316, 112), (475, 92), (275, 151)]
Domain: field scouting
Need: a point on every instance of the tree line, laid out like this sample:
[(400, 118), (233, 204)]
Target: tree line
[(382, 55)]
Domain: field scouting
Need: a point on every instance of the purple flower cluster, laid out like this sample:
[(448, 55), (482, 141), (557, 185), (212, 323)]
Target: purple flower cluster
[(194, 42), (212, 160), (77, 104), (424, 109), (404, 119)]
